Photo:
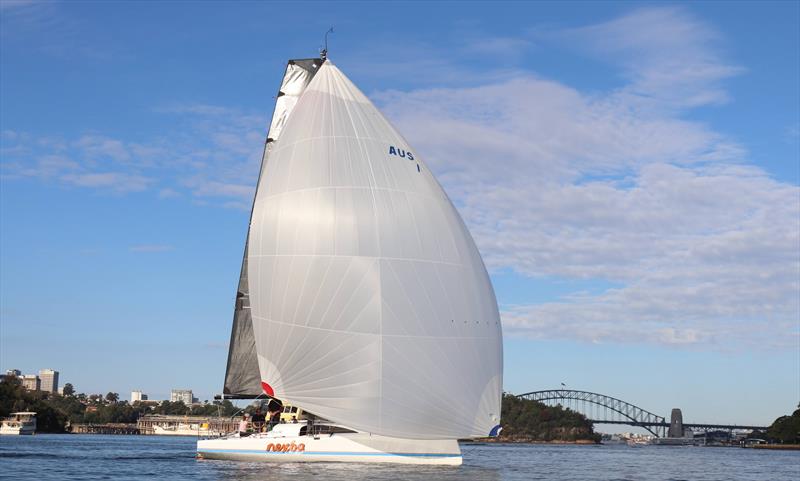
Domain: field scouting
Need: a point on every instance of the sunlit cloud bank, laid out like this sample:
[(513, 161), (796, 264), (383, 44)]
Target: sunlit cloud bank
[(621, 187)]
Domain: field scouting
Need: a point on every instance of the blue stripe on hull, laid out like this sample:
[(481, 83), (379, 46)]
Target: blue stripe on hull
[(329, 453)]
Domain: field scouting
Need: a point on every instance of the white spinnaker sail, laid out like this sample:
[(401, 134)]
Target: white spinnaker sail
[(371, 305)]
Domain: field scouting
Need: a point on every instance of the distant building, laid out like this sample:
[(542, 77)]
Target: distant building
[(49, 380), (10, 373), (184, 395), (138, 396), (31, 382)]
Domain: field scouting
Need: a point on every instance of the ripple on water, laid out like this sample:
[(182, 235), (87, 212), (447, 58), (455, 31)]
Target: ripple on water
[(95, 457)]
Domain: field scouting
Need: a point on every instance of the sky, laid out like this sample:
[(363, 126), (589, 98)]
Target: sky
[(629, 171)]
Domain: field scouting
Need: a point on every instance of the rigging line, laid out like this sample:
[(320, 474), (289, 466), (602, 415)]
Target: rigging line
[(242, 409)]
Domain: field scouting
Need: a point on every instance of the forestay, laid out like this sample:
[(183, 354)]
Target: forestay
[(371, 305)]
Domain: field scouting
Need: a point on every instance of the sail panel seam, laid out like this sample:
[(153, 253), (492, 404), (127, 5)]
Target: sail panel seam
[(343, 256), (401, 336)]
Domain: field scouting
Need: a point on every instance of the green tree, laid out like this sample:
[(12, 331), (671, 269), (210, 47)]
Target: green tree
[(224, 409), (526, 420), (167, 407), (10, 392), (68, 389), (786, 429), (70, 406), (112, 397), (112, 413), (15, 398)]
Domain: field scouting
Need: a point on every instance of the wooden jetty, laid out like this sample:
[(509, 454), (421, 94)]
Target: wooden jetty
[(186, 424), (108, 428)]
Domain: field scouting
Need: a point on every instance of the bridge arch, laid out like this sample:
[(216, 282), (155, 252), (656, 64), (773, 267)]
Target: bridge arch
[(633, 415)]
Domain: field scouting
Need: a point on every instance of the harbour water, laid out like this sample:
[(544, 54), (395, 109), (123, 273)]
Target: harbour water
[(94, 457)]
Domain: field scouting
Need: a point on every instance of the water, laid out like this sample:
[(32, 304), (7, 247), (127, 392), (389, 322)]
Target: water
[(90, 457)]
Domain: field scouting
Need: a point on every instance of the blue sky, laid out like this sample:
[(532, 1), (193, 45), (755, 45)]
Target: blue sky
[(629, 172)]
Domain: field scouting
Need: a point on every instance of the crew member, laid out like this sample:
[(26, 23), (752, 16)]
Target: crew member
[(258, 420), (243, 425), (274, 411)]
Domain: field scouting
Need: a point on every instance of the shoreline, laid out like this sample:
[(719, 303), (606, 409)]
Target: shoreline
[(525, 441), (776, 447)]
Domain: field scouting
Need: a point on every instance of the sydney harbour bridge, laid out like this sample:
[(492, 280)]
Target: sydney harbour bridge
[(602, 409)]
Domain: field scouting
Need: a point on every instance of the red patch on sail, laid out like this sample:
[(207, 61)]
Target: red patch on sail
[(267, 389)]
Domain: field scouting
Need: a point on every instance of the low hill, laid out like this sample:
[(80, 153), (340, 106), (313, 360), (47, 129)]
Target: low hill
[(786, 429), (533, 421)]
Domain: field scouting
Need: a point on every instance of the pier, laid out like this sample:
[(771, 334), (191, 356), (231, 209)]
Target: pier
[(108, 428), (186, 424), (175, 425)]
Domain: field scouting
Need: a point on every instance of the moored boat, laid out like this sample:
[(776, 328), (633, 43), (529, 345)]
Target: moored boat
[(19, 423), (184, 429)]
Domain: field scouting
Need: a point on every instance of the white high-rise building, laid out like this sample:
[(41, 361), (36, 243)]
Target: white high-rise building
[(49, 380), (31, 382), (138, 396), (184, 395)]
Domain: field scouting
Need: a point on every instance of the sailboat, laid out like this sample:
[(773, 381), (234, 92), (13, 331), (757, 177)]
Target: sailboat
[(362, 297)]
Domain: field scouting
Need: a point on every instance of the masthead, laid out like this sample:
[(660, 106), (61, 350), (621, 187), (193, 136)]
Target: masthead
[(323, 54)]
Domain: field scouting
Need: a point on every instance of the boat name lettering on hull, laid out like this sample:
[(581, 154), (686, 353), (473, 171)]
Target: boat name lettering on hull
[(286, 447)]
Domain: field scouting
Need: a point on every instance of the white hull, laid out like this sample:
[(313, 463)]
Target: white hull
[(182, 431), (6, 430), (350, 448), (19, 423)]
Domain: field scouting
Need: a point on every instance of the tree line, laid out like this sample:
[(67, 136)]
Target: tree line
[(522, 419), (531, 421), (785, 429), (54, 411)]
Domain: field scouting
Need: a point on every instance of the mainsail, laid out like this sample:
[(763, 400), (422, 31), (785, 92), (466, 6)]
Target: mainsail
[(241, 376), (371, 306)]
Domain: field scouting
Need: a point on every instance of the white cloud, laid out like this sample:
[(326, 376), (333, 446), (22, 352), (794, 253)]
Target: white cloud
[(97, 147), (167, 193), (216, 153), (668, 55), (115, 181), (620, 187), (498, 46)]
